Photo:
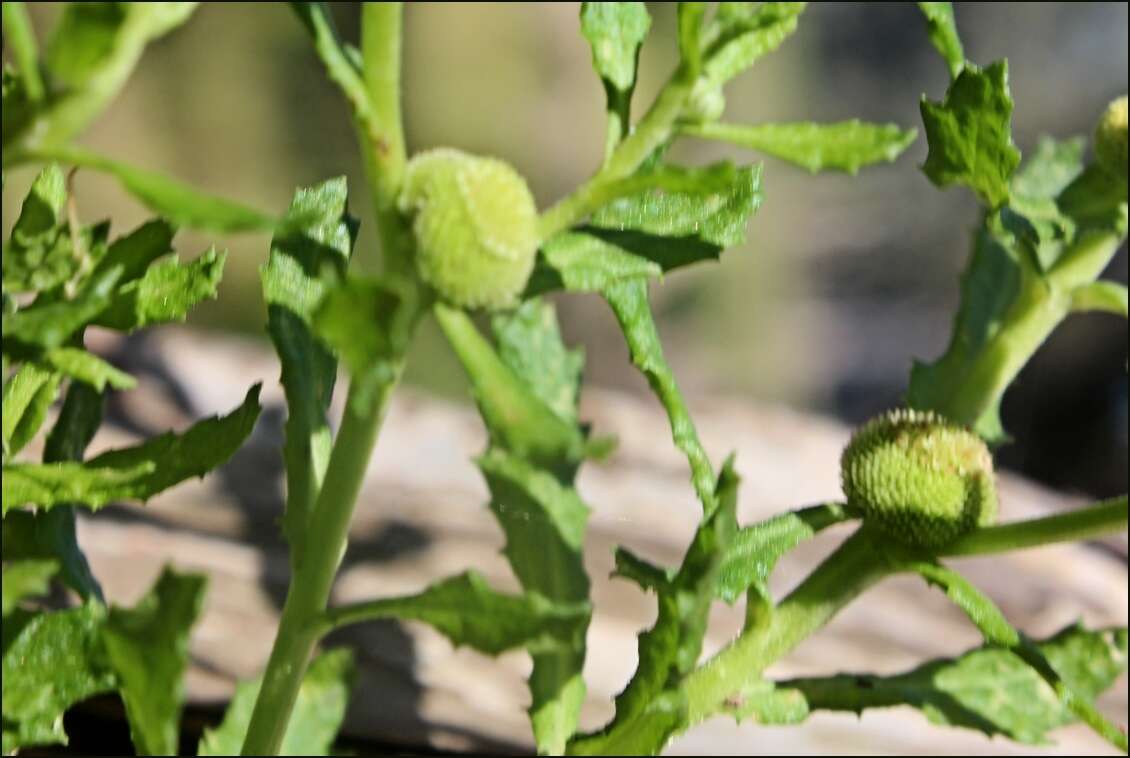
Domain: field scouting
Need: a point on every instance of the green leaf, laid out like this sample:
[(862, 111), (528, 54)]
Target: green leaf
[(641, 237), (20, 37), (38, 255), (996, 630), (25, 579), (18, 107), (644, 573), (304, 262), (1109, 297), (136, 251), (164, 293), (615, 32), (755, 549), (368, 321), (178, 202), (51, 323), (651, 708), (92, 52), (943, 34), (147, 647), (970, 134), (51, 661), (986, 689), (1050, 169), (518, 420), (133, 473), (629, 303), (744, 32), (28, 394), (87, 367), (530, 345), (845, 146), (467, 611), (314, 722)]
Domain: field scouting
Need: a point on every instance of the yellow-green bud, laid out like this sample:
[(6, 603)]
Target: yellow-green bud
[(1110, 138), (476, 227), (705, 103), (919, 478)]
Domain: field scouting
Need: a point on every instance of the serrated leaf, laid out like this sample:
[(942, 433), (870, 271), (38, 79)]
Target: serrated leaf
[(643, 236), (303, 263), (37, 256), (87, 367), (318, 710), (845, 146), (651, 708), (755, 549), (179, 203), (529, 343), (986, 689), (615, 32), (51, 661), (466, 610), (147, 647), (28, 394), (50, 324), (996, 630), (136, 251), (25, 578), (943, 34), (744, 33), (133, 473), (164, 293), (970, 134)]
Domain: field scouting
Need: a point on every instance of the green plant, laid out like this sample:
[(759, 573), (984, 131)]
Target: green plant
[(459, 232)]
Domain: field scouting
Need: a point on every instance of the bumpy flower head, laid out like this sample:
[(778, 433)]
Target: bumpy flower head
[(475, 224), (1110, 138), (919, 478)]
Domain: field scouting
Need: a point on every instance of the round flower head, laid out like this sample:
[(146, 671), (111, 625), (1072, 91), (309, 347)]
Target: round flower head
[(475, 224), (1110, 138), (919, 478)]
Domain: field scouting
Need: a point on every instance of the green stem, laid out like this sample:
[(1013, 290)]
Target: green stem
[(1106, 517), (17, 28), (855, 566), (309, 593), (383, 147), (653, 130)]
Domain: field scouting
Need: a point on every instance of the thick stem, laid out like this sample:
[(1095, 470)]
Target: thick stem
[(309, 591), (1106, 517), (855, 566)]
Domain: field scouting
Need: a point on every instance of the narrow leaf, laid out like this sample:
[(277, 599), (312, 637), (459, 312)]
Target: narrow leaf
[(87, 367), (970, 134), (615, 32), (304, 261), (318, 710), (744, 34), (529, 343), (28, 394), (943, 34), (845, 146), (467, 611), (147, 647), (166, 292), (51, 324), (1108, 297), (133, 473), (178, 202)]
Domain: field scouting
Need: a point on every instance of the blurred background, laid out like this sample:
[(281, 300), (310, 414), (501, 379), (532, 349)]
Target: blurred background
[(842, 282)]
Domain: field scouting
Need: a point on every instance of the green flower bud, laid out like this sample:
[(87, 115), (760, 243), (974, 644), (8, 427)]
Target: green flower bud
[(919, 478), (476, 227), (1110, 138)]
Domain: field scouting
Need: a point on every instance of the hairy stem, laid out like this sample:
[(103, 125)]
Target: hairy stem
[(1106, 517), (309, 593)]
